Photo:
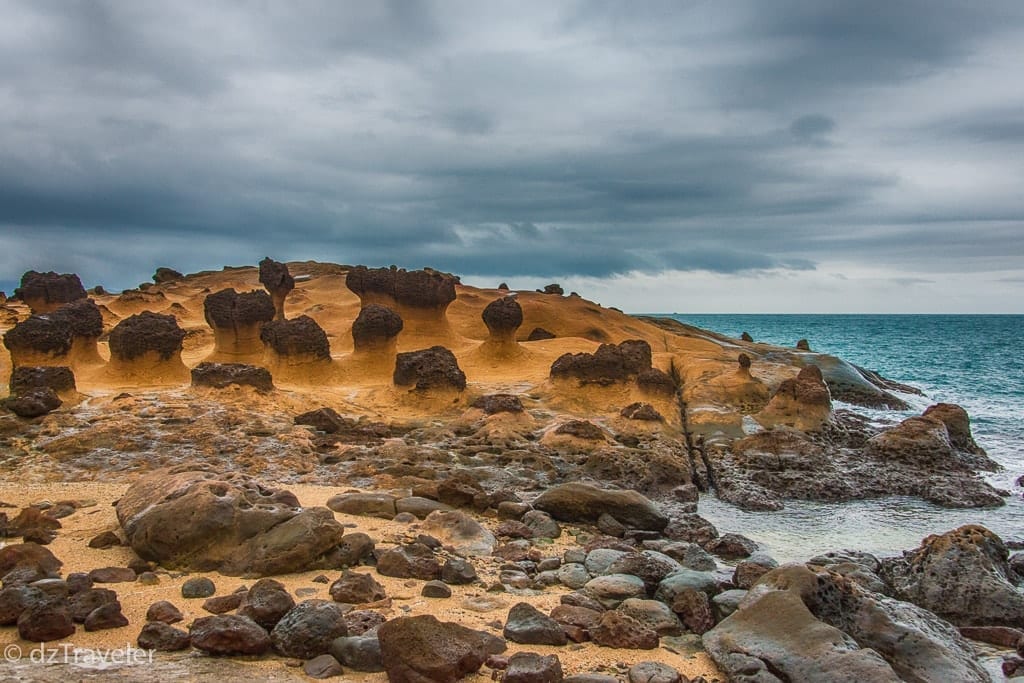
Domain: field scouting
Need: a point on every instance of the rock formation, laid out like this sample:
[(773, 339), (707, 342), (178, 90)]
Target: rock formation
[(147, 346), (46, 292), (609, 364), (278, 281), (802, 402), (420, 297), (222, 375), (85, 320), (39, 340), (540, 334), (165, 275), (293, 347), (433, 368), (26, 378), (502, 317), (375, 331), (237, 320)]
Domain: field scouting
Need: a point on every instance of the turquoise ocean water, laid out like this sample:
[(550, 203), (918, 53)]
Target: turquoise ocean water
[(975, 361)]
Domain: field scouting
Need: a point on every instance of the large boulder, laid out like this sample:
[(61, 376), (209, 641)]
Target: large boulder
[(32, 403), (958, 426), (309, 628), (584, 503), (961, 575), (39, 340), (232, 524), (299, 341), (610, 363), (237, 320), (46, 292), (433, 368), (229, 634), (28, 378), (278, 281), (420, 649), (802, 402), (376, 328), (148, 345)]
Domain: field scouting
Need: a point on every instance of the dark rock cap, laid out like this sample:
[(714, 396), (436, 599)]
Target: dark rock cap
[(41, 333), (375, 324), (24, 379), (656, 381), (503, 315), (33, 403), (539, 334), (553, 288), (275, 276), (52, 288), (83, 316), (414, 288), (803, 345), (610, 363), (744, 361), (499, 403), (136, 335), (163, 275), (433, 368), (221, 375), (228, 308), (299, 336)]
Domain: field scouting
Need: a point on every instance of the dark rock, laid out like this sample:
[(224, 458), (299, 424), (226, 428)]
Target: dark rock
[(581, 429), (266, 603), (612, 589), (749, 571), (25, 379), (690, 555), (224, 603), (356, 588), (78, 582), (529, 626), (655, 381), (300, 336), (458, 490), (583, 503), (746, 337), (33, 403), (326, 420), (610, 363), (229, 634), (363, 621), (649, 566), (653, 614), (161, 637), (436, 589), (361, 653), (28, 560), (309, 628), (503, 316), (530, 667), (641, 411), (353, 550), (1013, 667), (105, 617), (581, 600), (44, 292), (691, 528), (375, 326), (228, 309), (324, 666), (427, 289), (572, 615), (164, 611), (16, 599), (492, 404), (962, 576), (621, 631), (417, 649), (541, 524), (222, 375), (81, 605), (694, 610), (113, 575), (553, 288), (685, 579), (164, 275), (539, 334), (106, 539), (278, 281), (410, 561), (146, 332), (433, 368), (419, 506), (198, 587), (458, 572), (652, 672), (43, 622), (803, 345), (731, 546)]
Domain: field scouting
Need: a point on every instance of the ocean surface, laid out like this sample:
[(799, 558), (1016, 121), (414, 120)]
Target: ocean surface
[(976, 361)]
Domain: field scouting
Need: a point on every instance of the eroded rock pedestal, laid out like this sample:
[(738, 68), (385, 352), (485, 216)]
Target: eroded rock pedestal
[(237, 320), (147, 347), (296, 349), (46, 292), (420, 297), (278, 281)]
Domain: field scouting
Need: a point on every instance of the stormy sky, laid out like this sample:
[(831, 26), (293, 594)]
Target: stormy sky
[(738, 156)]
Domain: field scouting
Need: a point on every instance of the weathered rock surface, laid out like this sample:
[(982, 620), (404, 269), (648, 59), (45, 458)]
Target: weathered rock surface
[(27, 378), (162, 637), (32, 403), (145, 333), (460, 532), (433, 368), (223, 375), (229, 634), (266, 603), (45, 292), (610, 363), (584, 503), (424, 289), (529, 626), (376, 328), (802, 402), (308, 629), (421, 648), (298, 339), (278, 281), (357, 588)]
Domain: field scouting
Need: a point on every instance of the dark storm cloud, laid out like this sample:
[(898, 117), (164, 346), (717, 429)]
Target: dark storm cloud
[(588, 139)]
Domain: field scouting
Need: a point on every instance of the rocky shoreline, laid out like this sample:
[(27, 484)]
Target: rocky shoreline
[(533, 495)]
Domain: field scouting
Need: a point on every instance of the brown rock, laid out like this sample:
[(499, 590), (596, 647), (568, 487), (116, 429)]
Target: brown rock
[(539, 334), (164, 611), (229, 634), (610, 363), (223, 375), (105, 617), (278, 281), (159, 636), (433, 368), (45, 292), (266, 602), (694, 609), (28, 559), (657, 382), (618, 630), (376, 328), (423, 289), (145, 333), (300, 337), (24, 379), (356, 588), (641, 411), (493, 404), (419, 649), (164, 275)]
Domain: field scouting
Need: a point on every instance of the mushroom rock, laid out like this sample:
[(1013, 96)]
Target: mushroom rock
[(299, 343), (609, 364), (553, 288), (85, 319), (163, 275), (433, 368), (278, 281), (236, 320), (39, 340), (147, 346), (503, 317), (46, 292), (744, 363), (420, 297), (802, 402), (376, 330), (502, 287)]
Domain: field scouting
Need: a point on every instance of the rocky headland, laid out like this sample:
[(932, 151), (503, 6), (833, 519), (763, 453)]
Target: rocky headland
[(309, 470)]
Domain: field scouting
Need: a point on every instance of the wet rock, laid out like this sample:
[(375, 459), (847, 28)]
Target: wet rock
[(436, 589), (530, 667), (357, 588), (164, 275), (33, 403), (81, 605), (433, 368), (198, 587), (380, 505), (376, 327), (539, 334), (146, 333), (641, 411), (266, 603), (105, 617), (458, 572), (802, 402), (962, 576), (25, 379), (492, 404), (529, 626), (618, 630), (309, 628), (232, 524), (223, 375), (652, 672), (583, 503), (460, 532), (165, 612), (653, 614), (229, 634), (113, 575), (421, 289), (731, 546), (161, 637), (278, 281), (694, 610), (611, 589), (361, 653), (410, 561), (416, 649), (610, 363), (300, 338), (44, 621)]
